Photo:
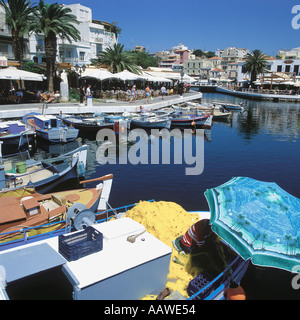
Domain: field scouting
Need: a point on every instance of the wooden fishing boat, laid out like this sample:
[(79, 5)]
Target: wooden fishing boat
[(50, 128), (25, 208), (230, 106), (190, 117), (19, 170), (151, 122), (86, 124), (139, 257), (221, 116), (191, 120), (14, 133)]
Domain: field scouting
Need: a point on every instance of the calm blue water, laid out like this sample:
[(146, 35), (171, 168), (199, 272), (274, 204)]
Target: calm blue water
[(262, 142)]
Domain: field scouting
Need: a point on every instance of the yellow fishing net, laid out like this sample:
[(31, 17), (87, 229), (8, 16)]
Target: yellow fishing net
[(166, 221)]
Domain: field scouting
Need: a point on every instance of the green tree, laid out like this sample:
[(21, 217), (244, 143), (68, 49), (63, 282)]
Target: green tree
[(19, 16), (198, 53), (203, 54), (209, 54), (144, 59), (55, 20), (117, 59), (31, 66), (255, 64)]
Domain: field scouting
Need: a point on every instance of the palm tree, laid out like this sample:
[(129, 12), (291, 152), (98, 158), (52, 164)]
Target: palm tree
[(117, 60), (256, 64), (55, 20), (19, 16)]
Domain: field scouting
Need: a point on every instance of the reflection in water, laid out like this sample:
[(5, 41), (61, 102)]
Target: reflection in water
[(281, 119)]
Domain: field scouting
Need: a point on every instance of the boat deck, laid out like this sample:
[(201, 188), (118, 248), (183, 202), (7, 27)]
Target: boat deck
[(34, 174), (142, 265)]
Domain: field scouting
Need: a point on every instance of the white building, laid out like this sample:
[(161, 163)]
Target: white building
[(290, 68), (230, 56), (289, 53), (95, 35), (6, 48)]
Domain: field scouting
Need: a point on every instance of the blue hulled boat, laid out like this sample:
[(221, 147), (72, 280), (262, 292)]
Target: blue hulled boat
[(14, 133), (86, 124), (50, 128), (19, 170)]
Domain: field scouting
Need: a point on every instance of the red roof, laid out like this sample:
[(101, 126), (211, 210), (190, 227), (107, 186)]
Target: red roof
[(217, 69)]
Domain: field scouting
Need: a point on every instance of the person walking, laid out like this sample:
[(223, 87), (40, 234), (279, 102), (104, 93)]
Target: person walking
[(133, 94), (82, 94), (163, 92), (148, 91), (89, 96)]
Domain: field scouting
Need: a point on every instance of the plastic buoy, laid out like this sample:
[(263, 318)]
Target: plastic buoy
[(235, 292)]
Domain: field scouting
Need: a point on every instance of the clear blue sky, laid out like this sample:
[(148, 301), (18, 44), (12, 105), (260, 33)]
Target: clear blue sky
[(200, 24)]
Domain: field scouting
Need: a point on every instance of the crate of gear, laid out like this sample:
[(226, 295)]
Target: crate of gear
[(79, 244)]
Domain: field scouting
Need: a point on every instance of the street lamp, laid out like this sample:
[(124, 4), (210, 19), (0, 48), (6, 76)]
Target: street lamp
[(80, 69)]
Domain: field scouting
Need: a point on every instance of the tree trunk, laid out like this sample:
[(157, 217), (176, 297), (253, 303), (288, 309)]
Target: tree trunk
[(253, 78), (50, 50), (18, 49)]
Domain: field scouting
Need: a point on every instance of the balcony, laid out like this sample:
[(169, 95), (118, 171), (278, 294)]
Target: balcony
[(98, 40), (73, 61)]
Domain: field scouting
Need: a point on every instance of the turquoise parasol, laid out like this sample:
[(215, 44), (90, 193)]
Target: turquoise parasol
[(259, 220)]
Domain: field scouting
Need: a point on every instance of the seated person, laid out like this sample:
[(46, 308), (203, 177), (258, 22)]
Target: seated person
[(206, 250), (54, 97), (194, 236)]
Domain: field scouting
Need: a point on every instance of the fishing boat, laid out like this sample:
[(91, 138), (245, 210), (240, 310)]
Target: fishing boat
[(14, 133), (25, 208), (191, 120), (230, 106), (19, 170), (151, 122), (50, 128), (199, 106), (81, 265), (221, 115), (86, 124)]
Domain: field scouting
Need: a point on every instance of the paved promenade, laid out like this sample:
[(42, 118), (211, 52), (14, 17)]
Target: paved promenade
[(110, 106), (260, 96)]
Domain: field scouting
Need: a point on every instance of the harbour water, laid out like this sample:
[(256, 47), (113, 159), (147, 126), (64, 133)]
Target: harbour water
[(262, 142)]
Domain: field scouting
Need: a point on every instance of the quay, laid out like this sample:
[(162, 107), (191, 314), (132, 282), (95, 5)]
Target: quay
[(259, 96), (11, 111)]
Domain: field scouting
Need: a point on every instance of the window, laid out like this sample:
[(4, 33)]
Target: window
[(287, 68), (81, 56), (279, 68), (4, 49), (296, 70)]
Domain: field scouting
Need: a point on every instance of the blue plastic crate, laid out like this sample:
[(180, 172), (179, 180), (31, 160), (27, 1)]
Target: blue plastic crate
[(76, 245), (199, 282)]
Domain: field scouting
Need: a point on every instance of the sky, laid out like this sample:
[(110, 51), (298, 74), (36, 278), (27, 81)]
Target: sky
[(200, 24)]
